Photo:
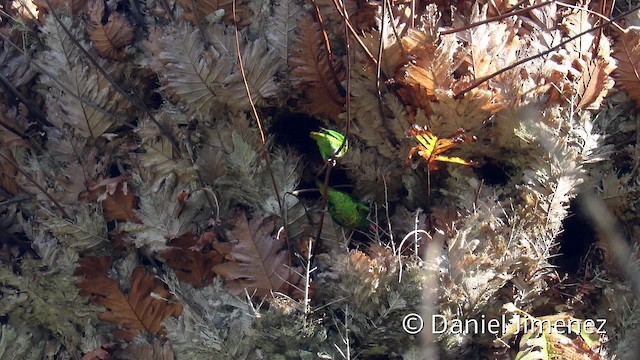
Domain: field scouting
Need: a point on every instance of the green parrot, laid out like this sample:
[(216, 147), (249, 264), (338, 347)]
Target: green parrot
[(329, 141), (346, 210)]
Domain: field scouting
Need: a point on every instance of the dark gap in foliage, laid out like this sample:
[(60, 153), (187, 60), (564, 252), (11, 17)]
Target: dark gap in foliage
[(292, 130), (151, 93), (576, 240), (114, 171), (493, 173), (154, 100)]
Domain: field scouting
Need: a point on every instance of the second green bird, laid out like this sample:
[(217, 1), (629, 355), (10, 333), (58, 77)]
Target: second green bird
[(345, 209)]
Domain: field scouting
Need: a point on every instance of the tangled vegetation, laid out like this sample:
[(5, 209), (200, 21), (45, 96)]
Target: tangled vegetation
[(166, 167)]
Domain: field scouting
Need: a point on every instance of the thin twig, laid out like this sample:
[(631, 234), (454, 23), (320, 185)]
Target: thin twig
[(264, 152), (348, 93), (32, 108), (64, 87), (308, 279), (327, 46), (495, 18), (483, 79), (323, 204), (353, 32), (55, 202), (133, 99)]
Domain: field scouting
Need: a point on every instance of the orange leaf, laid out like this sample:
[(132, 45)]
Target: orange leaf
[(594, 84), (136, 311), (191, 264), (111, 38), (310, 68), (256, 259)]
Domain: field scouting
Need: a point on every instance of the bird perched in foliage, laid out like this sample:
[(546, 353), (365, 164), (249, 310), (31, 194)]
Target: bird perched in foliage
[(330, 143), (345, 209)]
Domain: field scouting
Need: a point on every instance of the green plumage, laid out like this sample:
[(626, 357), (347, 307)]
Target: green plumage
[(345, 209), (329, 141)]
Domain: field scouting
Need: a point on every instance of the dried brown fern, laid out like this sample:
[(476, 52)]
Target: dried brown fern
[(255, 259), (80, 97), (312, 73), (627, 52)]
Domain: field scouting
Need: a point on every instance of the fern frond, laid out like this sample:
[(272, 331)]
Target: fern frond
[(261, 66), (162, 215), (159, 157), (627, 52), (280, 31), (312, 73), (87, 231), (188, 70), (86, 99)]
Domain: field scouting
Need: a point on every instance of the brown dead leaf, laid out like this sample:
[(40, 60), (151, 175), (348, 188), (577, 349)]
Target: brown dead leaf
[(135, 311), (111, 38), (594, 84), (118, 201), (362, 14), (312, 73), (255, 259), (188, 256), (182, 198), (101, 353), (627, 52), (120, 206), (8, 175), (100, 190), (429, 70)]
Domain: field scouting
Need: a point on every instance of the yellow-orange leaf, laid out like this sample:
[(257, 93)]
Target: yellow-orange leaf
[(111, 38)]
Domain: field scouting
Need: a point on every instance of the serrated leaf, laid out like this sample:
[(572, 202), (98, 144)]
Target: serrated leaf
[(280, 31), (311, 71), (162, 215), (255, 259), (191, 263), (86, 231), (627, 52), (86, 99), (143, 308), (111, 38)]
